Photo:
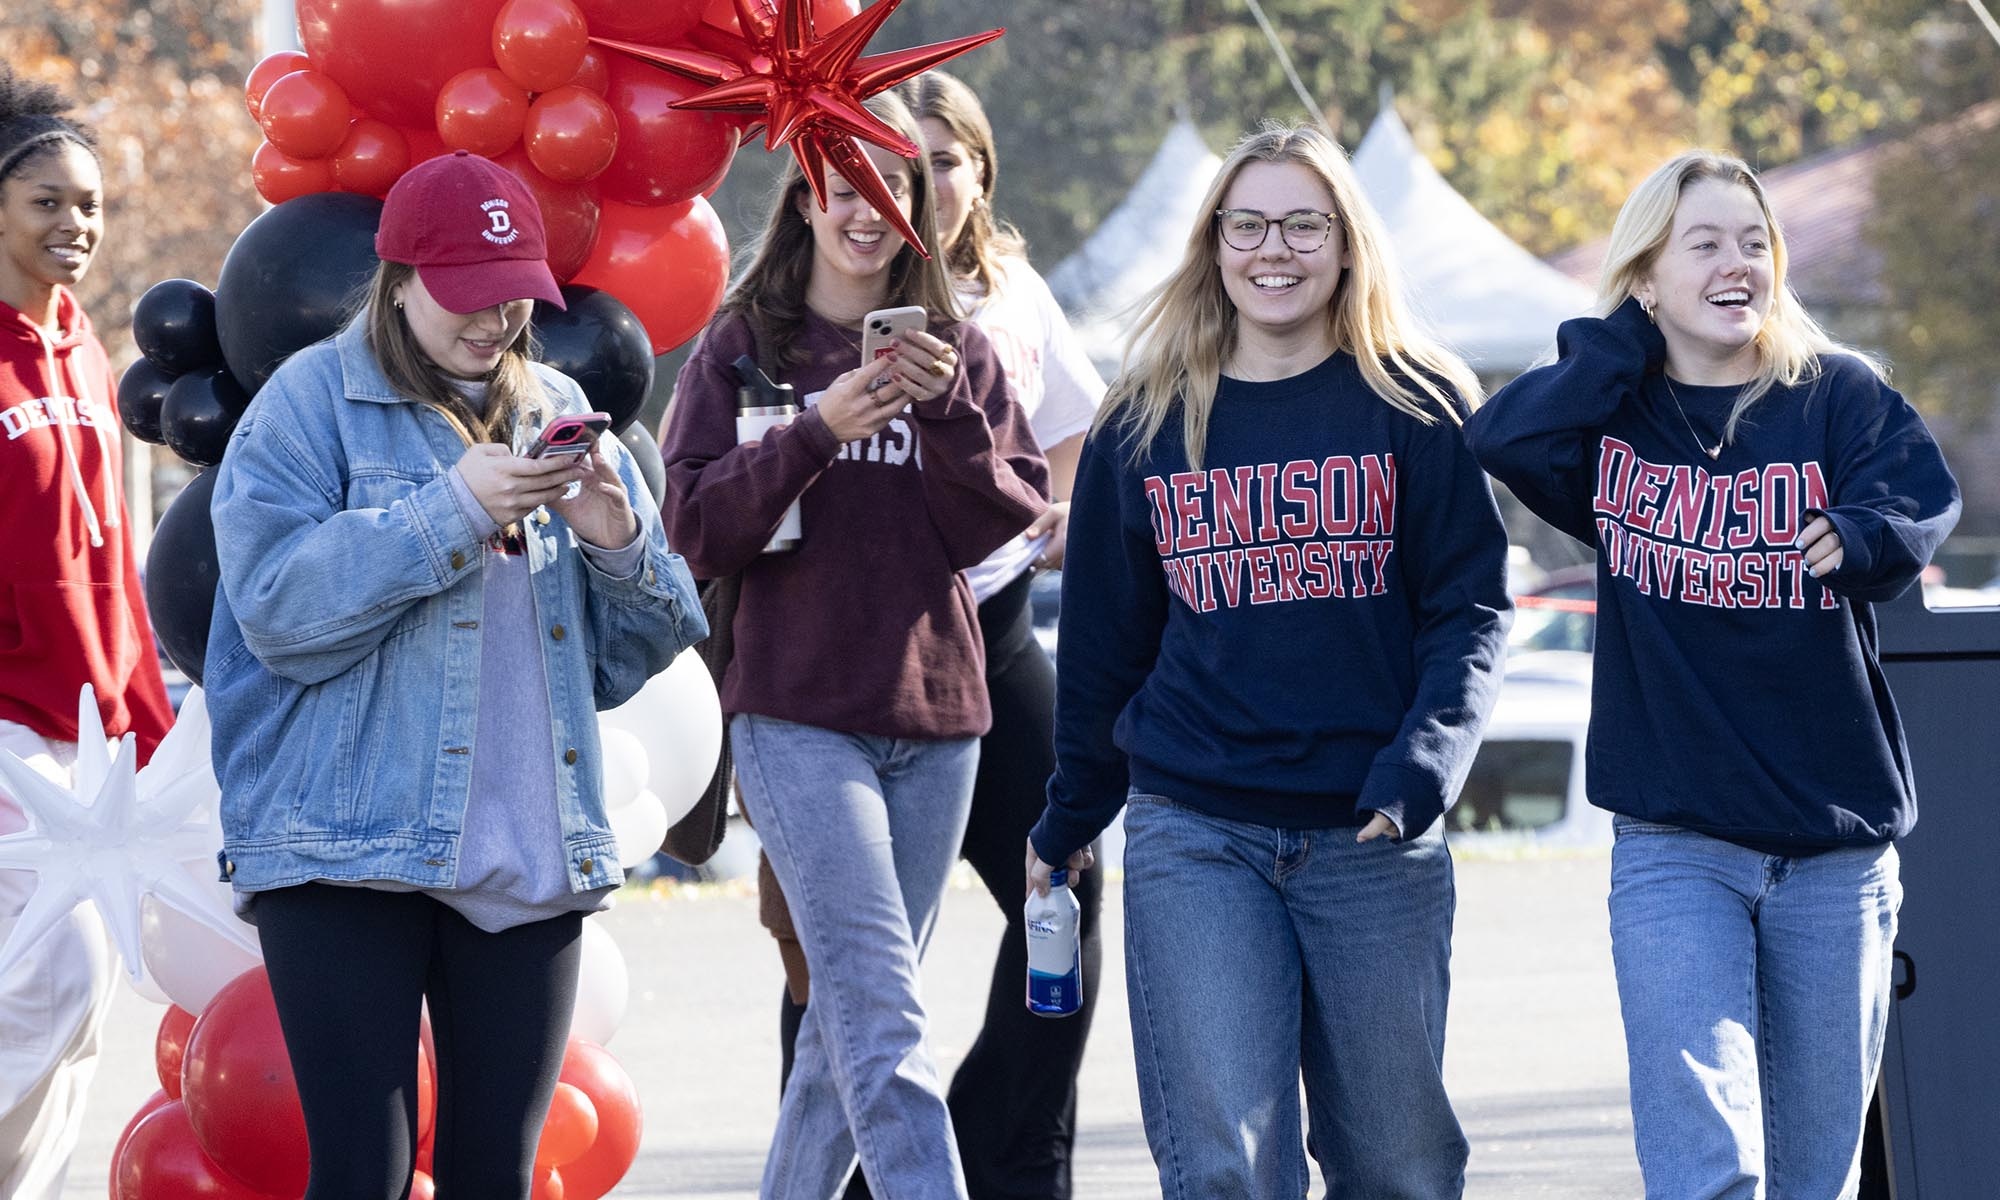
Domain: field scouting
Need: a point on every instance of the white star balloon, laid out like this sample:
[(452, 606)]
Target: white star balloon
[(116, 837)]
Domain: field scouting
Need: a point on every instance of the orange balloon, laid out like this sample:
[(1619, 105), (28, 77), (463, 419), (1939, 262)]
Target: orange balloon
[(539, 43), (570, 134), (305, 114), (548, 1185), (279, 177), (668, 265), (371, 158), (569, 1128), (591, 1068), (481, 110), (269, 70)]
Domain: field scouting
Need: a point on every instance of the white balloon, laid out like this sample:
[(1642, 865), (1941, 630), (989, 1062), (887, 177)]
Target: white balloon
[(603, 987), (625, 766), (187, 960), (678, 720), (640, 826)]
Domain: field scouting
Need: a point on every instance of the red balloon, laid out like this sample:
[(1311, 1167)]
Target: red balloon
[(269, 70), (570, 134), (827, 14), (422, 1188), (162, 1160), (240, 1094), (569, 1128), (570, 213), (481, 110), (539, 43), (371, 158), (424, 142), (664, 156), (426, 1093), (305, 114), (279, 177), (393, 56), (591, 1068), (593, 74), (656, 22), (170, 1046), (155, 1101)]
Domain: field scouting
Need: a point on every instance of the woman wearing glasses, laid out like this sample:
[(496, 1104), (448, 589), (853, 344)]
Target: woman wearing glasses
[(1282, 613)]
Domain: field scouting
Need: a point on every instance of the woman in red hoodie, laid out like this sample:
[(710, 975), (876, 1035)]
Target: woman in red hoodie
[(71, 611)]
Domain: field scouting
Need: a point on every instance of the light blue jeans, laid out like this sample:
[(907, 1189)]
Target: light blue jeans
[(1755, 992), (862, 833), (1255, 955)]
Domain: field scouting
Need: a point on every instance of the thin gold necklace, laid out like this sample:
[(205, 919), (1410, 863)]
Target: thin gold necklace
[(1713, 452)]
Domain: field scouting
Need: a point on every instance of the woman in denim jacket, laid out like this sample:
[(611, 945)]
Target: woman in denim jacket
[(414, 632)]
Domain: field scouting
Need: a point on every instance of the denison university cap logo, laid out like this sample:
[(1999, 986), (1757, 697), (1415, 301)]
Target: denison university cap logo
[(500, 230)]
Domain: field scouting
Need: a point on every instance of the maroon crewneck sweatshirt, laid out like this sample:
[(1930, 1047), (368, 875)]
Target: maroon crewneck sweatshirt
[(867, 626)]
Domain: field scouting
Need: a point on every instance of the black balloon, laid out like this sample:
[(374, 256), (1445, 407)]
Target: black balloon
[(199, 413), (599, 343), (292, 278), (141, 392), (174, 325), (646, 452), (181, 575)]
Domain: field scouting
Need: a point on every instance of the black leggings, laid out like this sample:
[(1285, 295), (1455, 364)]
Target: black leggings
[(349, 969), (1013, 1100)]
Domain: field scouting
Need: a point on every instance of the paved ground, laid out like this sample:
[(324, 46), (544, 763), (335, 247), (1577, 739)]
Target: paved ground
[(1535, 1060)]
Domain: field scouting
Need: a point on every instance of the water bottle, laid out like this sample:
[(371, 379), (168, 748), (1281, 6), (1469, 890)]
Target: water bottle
[(1055, 959), (762, 406)]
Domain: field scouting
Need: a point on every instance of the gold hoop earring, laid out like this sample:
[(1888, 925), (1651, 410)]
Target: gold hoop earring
[(1646, 306)]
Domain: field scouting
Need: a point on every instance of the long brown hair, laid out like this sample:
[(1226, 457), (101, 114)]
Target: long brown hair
[(511, 388), (1188, 325), (771, 292), (985, 240)]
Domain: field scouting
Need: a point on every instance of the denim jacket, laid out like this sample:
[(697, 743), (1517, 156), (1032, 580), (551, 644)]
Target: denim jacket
[(343, 656)]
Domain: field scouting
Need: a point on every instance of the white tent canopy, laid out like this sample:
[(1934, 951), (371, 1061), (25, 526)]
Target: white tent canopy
[(1489, 299)]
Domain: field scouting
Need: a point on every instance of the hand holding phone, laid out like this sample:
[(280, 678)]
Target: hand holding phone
[(572, 433)]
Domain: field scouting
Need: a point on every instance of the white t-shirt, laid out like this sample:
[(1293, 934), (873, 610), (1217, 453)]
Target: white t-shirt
[(1053, 380)]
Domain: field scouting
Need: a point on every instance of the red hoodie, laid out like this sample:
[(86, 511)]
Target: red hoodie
[(71, 610)]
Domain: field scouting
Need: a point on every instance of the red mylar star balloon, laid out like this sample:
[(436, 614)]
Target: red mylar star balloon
[(808, 89)]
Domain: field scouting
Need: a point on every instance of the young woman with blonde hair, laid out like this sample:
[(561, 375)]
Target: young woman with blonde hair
[(1282, 617), (1751, 488), (855, 695)]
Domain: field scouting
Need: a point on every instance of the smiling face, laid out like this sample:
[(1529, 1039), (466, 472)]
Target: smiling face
[(464, 345), (955, 171), (853, 244), (1282, 296), (1711, 286), (51, 220)]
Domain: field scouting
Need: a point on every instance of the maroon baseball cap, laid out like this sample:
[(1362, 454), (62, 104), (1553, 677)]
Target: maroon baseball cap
[(472, 230)]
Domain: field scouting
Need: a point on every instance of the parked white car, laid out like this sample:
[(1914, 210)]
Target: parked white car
[(1526, 783)]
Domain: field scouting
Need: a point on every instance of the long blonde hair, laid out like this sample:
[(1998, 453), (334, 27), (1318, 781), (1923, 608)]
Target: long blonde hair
[(770, 294), (1188, 326), (511, 388), (985, 240), (1789, 344)]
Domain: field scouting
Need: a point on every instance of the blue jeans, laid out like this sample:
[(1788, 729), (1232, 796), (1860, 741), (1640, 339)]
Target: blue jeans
[(1255, 955), (862, 833), (1755, 992)]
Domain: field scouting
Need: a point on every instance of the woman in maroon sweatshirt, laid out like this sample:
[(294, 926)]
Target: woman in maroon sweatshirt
[(856, 691), (71, 612)]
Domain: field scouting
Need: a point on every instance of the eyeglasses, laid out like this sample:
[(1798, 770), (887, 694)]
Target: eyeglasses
[(1303, 229)]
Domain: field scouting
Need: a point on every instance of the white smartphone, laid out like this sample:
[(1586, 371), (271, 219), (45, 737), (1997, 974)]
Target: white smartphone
[(885, 325)]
